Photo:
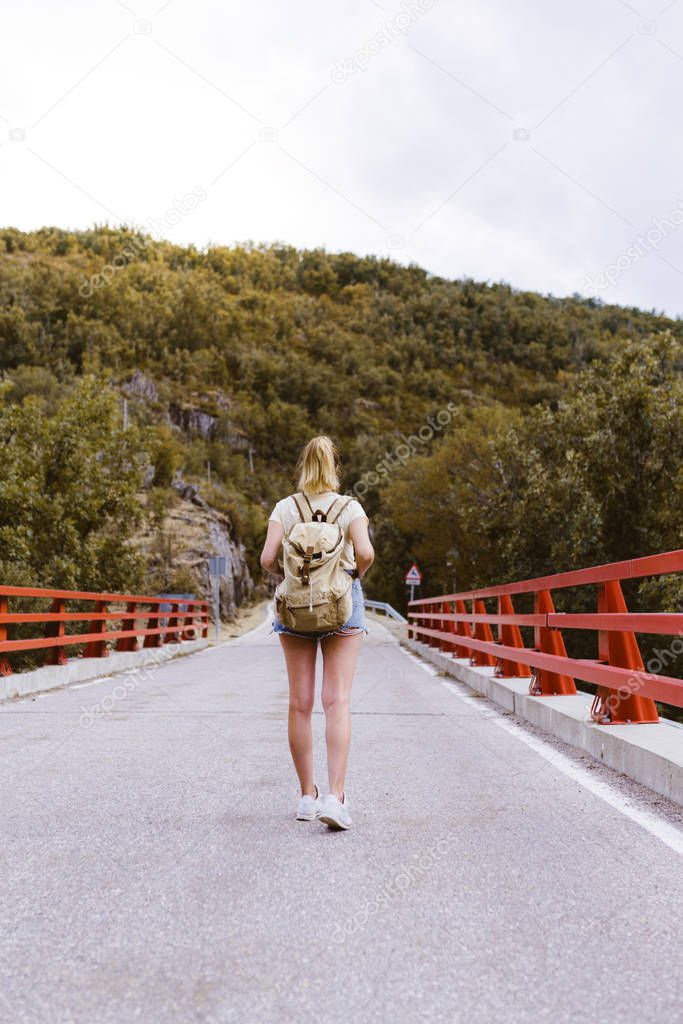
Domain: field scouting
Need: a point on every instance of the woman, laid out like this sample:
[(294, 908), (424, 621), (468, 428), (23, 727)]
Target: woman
[(319, 479)]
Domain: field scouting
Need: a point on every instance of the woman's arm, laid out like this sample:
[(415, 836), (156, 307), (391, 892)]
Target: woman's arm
[(365, 554), (271, 547)]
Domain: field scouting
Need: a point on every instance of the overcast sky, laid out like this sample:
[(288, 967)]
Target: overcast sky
[(537, 143)]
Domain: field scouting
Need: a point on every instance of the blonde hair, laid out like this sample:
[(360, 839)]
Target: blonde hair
[(318, 466)]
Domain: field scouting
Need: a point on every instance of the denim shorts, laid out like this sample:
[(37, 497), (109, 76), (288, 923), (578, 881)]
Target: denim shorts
[(354, 624)]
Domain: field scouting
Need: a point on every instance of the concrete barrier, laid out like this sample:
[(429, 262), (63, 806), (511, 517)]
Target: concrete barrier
[(651, 754), (78, 670)]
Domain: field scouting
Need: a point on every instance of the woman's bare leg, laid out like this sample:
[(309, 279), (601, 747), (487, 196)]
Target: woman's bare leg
[(300, 659), (340, 654)]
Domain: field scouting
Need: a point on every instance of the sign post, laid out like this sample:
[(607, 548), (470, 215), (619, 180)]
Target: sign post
[(217, 566), (412, 579)]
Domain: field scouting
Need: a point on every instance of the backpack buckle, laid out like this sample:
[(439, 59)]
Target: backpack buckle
[(306, 566)]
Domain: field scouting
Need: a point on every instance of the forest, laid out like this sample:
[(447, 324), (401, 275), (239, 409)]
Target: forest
[(490, 433)]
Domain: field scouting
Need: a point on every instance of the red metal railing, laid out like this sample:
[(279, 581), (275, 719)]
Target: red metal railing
[(626, 692), (165, 621)]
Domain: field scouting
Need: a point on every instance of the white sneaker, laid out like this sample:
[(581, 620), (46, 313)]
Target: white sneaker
[(308, 807), (334, 812)]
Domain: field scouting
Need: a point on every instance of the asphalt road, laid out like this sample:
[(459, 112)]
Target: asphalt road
[(152, 869)]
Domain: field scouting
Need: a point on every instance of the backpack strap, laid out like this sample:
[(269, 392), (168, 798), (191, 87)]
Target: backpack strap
[(344, 504), (305, 509), (300, 508), (305, 497), (317, 516)]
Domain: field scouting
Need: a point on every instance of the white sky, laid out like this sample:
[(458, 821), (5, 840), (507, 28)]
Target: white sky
[(128, 107)]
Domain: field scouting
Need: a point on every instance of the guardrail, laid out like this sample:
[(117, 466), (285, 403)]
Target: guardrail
[(165, 621), (388, 609), (626, 692)]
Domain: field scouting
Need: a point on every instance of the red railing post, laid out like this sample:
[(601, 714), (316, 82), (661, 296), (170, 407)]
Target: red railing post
[(548, 641), (5, 667), (450, 627), (510, 635), (482, 631), (436, 624), (462, 629), (427, 622), (615, 706), (205, 622), (446, 627), (172, 635), (55, 655), (473, 609), (97, 648), (189, 628), (128, 643), (154, 639)]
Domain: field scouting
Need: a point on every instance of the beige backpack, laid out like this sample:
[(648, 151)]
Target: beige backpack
[(315, 595)]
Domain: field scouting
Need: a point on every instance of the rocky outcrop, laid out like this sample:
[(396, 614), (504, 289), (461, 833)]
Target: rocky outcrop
[(235, 439), (142, 387), (177, 552), (192, 420), (204, 415), (195, 421), (236, 584), (177, 548)]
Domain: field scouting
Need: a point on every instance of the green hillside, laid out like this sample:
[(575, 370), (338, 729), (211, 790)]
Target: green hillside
[(551, 432)]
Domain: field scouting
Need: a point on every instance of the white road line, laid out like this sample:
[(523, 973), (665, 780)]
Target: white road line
[(424, 665), (658, 827)]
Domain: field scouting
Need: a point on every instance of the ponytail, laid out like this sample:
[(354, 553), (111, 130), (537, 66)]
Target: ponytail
[(318, 466)]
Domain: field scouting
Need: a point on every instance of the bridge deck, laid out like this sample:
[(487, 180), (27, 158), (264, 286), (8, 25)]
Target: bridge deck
[(152, 869)]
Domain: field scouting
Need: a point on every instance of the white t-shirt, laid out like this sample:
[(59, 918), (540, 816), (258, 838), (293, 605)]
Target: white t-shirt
[(286, 514)]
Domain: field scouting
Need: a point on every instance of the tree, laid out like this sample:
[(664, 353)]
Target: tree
[(595, 477), (68, 484)]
